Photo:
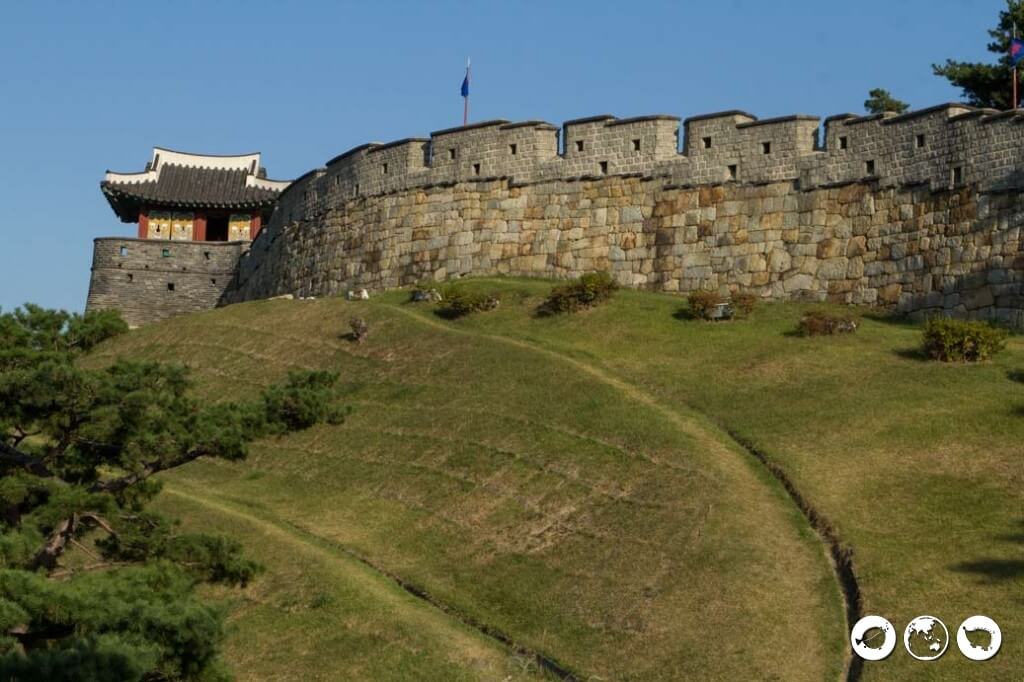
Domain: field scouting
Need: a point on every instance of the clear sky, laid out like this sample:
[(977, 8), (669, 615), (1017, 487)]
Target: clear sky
[(86, 87)]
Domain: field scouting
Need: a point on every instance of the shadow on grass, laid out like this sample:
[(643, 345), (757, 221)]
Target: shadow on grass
[(996, 570), (993, 569), (1016, 375), (684, 315), (913, 353), (890, 317), (448, 314)]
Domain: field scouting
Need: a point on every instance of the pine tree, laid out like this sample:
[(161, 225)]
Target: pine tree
[(988, 85), (880, 101), (78, 450)]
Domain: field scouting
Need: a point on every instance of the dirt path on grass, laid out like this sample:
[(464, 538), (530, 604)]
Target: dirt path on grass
[(467, 642), (724, 446)]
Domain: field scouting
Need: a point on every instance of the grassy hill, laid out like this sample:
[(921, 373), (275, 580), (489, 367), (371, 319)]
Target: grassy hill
[(569, 485)]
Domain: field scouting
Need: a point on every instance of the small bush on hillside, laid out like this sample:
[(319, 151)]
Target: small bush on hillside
[(704, 304), (962, 340), (459, 303), (589, 290), (743, 304), (821, 323), (359, 328)]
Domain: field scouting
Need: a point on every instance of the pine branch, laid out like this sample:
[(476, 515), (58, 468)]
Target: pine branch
[(64, 533), (31, 464), (116, 485), (47, 556)]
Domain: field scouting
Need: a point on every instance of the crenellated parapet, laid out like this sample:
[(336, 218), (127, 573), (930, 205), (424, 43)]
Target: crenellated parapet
[(918, 212), (941, 146), (921, 212)]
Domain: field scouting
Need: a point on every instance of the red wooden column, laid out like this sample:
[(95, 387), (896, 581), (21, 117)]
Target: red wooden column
[(143, 224), (199, 227), (254, 225)]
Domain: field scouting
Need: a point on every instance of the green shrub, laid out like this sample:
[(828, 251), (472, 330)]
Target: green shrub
[(822, 323), (589, 290), (703, 304), (459, 303), (962, 340), (743, 304)]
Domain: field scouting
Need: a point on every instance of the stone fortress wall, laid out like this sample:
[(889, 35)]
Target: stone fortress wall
[(920, 211), (149, 280)]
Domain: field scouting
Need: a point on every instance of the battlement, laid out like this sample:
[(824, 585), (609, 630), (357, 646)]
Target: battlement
[(914, 211), (941, 146)]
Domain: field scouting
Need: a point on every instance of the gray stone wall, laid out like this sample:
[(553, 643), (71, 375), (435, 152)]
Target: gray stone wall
[(919, 211), (910, 248), (149, 280), (918, 147)]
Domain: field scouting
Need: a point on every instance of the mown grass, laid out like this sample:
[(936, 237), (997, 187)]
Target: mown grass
[(919, 464), (319, 614), (581, 510)]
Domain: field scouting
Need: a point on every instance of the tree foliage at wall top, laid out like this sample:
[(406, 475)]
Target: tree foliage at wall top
[(988, 85), (879, 101), (93, 586)]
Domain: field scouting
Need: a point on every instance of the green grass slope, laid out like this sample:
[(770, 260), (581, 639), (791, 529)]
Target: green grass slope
[(622, 537), (568, 481)]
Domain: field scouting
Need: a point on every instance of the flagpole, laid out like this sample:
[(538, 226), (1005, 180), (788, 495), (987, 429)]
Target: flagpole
[(1014, 67), (465, 100)]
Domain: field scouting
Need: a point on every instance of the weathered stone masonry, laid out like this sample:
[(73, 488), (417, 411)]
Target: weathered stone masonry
[(920, 211), (149, 280), (196, 214)]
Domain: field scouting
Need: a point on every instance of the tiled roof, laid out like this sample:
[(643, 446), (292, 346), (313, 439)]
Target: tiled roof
[(220, 182)]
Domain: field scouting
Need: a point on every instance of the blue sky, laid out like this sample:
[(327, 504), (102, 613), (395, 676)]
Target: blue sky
[(87, 87)]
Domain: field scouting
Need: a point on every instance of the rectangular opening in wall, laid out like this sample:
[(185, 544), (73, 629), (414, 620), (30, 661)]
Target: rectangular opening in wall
[(355, 192), (206, 255), (733, 171), (130, 277), (958, 175), (452, 154), (165, 253), (579, 145), (766, 147), (604, 167), (170, 286), (124, 251), (512, 149), (384, 169), (869, 167), (844, 142), (217, 228), (476, 169), (636, 145), (919, 141), (706, 141), (213, 281)]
